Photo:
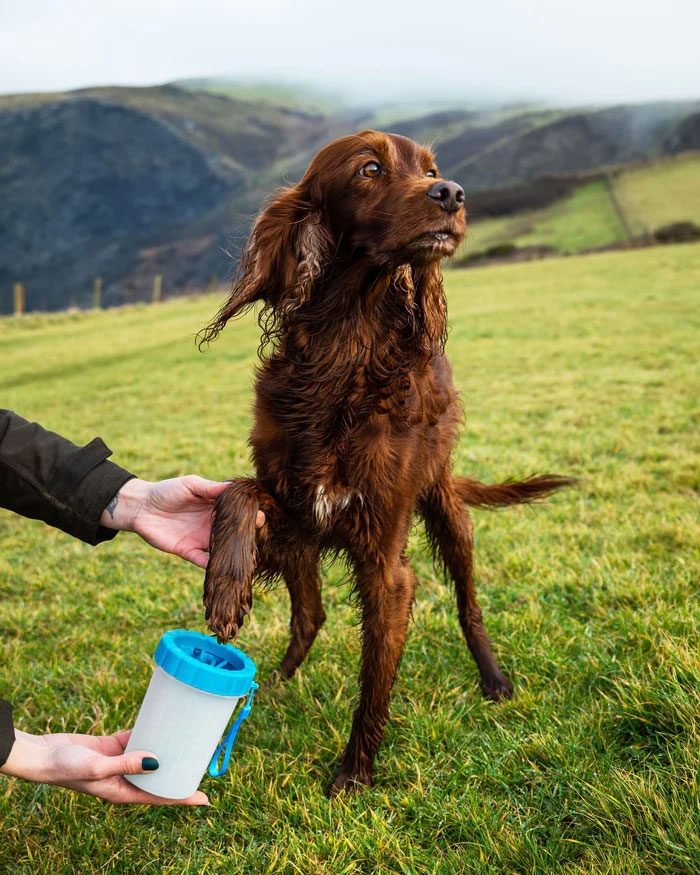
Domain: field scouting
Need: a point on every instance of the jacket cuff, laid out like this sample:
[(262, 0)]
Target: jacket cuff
[(87, 482), (7, 731)]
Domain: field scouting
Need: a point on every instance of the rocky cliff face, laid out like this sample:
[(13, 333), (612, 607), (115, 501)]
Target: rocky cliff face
[(124, 184)]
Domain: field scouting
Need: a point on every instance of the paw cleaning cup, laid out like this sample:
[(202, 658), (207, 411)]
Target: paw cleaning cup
[(194, 690)]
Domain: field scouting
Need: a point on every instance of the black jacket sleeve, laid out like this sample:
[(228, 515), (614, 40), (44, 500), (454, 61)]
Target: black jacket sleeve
[(7, 732), (44, 476)]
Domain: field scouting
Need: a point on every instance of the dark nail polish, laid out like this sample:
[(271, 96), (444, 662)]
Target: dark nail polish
[(149, 764)]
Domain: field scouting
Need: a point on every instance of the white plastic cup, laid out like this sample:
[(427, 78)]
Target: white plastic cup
[(195, 687)]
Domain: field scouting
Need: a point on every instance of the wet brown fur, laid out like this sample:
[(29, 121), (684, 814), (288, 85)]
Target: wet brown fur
[(354, 395)]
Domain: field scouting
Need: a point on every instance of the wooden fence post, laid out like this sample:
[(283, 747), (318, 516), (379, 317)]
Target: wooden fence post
[(157, 287), (19, 299), (97, 293)]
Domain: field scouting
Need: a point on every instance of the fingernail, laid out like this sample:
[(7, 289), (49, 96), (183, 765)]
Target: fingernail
[(149, 764)]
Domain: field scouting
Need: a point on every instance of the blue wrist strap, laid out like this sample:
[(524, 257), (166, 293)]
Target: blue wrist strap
[(227, 744)]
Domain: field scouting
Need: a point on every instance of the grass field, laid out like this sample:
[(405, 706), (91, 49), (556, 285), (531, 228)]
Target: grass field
[(650, 196), (582, 366), (663, 192)]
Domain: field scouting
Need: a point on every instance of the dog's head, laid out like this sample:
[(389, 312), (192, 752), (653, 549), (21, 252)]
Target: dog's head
[(369, 199)]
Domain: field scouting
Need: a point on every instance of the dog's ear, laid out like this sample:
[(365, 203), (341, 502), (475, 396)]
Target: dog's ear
[(431, 304), (285, 255), (424, 295)]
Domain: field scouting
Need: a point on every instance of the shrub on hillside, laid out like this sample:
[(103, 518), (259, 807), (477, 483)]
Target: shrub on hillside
[(677, 232)]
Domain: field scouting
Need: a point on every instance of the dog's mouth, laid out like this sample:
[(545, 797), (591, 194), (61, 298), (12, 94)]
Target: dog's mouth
[(441, 238), (429, 245)]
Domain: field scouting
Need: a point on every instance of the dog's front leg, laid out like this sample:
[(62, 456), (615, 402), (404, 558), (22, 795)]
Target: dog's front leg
[(386, 596), (233, 555)]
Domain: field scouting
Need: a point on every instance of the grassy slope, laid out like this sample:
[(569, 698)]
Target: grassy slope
[(585, 366), (665, 191), (584, 220)]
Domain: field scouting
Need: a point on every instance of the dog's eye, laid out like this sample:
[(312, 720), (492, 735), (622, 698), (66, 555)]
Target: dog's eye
[(371, 169), (432, 173)]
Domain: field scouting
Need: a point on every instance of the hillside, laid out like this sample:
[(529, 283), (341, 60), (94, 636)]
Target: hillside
[(127, 183), (488, 154), (629, 203)]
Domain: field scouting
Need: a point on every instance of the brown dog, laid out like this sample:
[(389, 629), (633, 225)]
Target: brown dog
[(355, 415)]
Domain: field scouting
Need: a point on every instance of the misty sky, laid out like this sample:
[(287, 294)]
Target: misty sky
[(599, 51)]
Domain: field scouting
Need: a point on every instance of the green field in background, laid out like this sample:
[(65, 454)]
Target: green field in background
[(649, 197), (581, 366)]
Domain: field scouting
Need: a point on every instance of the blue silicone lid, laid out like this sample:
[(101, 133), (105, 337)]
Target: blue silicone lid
[(201, 662)]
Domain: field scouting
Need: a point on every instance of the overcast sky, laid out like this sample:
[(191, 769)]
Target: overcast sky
[(600, 51)]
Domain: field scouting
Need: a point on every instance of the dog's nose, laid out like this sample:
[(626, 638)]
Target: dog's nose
[(448, 194)]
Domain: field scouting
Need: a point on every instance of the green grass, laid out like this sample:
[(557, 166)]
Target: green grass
[(663, 192), (585, 220), (650, 196), (583, 366)]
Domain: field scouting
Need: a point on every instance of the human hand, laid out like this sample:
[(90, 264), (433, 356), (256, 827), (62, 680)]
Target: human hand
[(172, 515), (95, 765)]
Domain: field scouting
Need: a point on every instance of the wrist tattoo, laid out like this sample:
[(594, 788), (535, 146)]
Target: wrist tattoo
[(112, 506)]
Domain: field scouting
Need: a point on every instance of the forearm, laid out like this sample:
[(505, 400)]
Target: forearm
[(28, 759)]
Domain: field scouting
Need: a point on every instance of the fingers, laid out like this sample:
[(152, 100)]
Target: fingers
[(122, 738), (209, 489), (141, 763), (127, 794), (197, 557), (81, 763)]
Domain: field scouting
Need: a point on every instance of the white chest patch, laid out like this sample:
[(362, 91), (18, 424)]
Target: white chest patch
[(328, 502)]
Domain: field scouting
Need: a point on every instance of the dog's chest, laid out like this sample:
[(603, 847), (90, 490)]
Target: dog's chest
[(338, 448), (331, 500)]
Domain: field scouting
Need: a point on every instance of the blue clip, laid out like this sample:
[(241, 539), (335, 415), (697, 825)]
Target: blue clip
[(230, 737)]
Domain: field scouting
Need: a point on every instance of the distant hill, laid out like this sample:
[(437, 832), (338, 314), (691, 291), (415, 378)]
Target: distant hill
[(126, 183)]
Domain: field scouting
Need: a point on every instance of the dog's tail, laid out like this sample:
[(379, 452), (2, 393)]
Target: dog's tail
[(528, 491)]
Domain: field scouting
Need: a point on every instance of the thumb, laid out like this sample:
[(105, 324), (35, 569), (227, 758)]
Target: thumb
[(210, 489), (133, 763)]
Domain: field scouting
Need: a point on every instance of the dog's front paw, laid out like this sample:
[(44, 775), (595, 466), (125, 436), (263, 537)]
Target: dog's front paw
[(228, 583), (228, 602), (497, 687)]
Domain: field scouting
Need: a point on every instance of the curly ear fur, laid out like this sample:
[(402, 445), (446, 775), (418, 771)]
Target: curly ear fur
[(431, 304), (284, 256), (424, 296)]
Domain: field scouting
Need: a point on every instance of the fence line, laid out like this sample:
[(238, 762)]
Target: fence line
[(20, 301)]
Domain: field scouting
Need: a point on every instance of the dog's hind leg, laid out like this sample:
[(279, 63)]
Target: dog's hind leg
[(449, 530), (233, 554)]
